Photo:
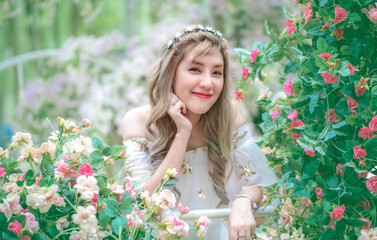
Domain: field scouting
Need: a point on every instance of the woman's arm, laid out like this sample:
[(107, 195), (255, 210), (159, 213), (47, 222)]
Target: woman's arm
[(241, 218)]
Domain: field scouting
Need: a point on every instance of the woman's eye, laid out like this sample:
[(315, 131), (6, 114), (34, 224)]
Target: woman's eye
[(218, 73), (194, 69)]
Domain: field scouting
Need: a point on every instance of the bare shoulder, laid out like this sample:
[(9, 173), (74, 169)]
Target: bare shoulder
[(239, 119), (133, 123)]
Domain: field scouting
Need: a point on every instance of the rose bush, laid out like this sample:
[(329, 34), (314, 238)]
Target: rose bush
[(60, 191), (319, 133)]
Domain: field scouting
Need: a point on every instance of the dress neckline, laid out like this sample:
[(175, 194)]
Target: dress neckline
[(149, 143)]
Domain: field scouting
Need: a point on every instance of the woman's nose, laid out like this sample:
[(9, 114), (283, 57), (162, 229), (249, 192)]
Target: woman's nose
[(206, 81)]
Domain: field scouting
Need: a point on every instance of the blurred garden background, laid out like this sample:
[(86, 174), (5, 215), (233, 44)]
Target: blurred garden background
[(89, 58)]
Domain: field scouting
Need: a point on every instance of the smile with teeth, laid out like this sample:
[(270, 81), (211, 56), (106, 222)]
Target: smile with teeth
[(202, 95)]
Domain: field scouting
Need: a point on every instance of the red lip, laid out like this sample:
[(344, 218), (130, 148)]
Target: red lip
[(202, 95)]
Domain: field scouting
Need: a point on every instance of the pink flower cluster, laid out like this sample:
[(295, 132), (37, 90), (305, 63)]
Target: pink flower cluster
[(331, 115), (288, 88), (371, 13), (337, 213), (172, 228), (253, 55), (368, 132)]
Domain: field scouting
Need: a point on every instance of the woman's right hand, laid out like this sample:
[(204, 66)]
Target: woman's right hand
[(177, 111)]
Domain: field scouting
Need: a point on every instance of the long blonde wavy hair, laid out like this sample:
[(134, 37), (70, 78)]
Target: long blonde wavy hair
[(217, 121)]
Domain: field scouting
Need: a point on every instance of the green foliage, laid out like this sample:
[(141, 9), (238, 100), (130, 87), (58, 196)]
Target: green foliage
[(321, 153)]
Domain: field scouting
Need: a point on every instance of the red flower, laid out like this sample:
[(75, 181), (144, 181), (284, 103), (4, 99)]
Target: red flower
[(310, 152), (365, 205), (238, 95), (351, 68), (308, 12), (94, 200), (245, 73), (254, 53), (15, 227), (86, 169), (295, 136), (292, 115), (333, 115), (365, 133), (363, 81), (352, 104), (25, 238), (274, 115), (332, 67), (360, 91), (339, 172), (337, 213), (296, 123), (288, 88), (367, 225), (372, 184), (358, 152), (291, 27), (340, 15), (328, 78), (373, 124), (338, 33), (324, 27), (326, 56), (318, 192)]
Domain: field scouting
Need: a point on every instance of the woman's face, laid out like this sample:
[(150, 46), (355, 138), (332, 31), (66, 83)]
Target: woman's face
[(198, 82)]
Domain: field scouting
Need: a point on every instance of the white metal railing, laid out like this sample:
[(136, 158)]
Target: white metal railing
[(220, 213)]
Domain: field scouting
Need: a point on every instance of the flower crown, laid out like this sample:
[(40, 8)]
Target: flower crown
[(188, 30)]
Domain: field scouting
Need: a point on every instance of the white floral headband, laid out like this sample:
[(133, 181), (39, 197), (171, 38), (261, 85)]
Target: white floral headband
[(187, 30)]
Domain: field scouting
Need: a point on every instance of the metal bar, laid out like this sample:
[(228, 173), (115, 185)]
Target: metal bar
[(27, 57), (222, 213)]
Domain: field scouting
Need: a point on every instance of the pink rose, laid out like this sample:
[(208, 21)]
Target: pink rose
[(278, 169), (296, 123), (328, 78), (339, 172), (288, 88), (371, 13), (245, 73), (238, 95), (352, 104), (2, 173), (130, 188), (338, 33), (308, 12), (372, 184), (324, 27), (183, 210), (363, 81), (333, 115), (340, 15), (64, 170), (360, 91), (295, 135), (365, 133), (254, 53), (310, 153), (291, 27), (326, 56), (94, 200), (25, 238), (367, 225), (337, 213), (364, 204), (362, 175), (86, 169), (351, 68), (292, 115), (373, 124), (358, 152), (274, 115), (15, 227), (318, 192)]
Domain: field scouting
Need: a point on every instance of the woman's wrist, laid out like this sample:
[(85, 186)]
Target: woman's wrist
[(253, 204)]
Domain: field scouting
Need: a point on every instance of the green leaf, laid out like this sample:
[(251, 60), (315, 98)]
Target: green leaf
[(107, 151), (327, 235), (304, 145), (320, 62), (330, 134), (340, 226), (112, 206), (355, 222), (313, 103), (241, 52), (354, 17), (339, 124), (352, 119), (322, 44), (345, 72), (333, 182), (311, 220), (120, 222), (348, 90), (9, 235), (291, 67), (374, 91), (341, 108), (320, 150), (96, 155), (323, 2), (97, 143), (103, 219)]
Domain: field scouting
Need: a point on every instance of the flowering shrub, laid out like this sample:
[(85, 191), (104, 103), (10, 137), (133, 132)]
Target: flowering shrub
[(60, 191), (319, 133)]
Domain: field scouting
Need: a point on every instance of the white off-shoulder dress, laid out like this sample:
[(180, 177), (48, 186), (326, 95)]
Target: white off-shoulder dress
[(195, 184)]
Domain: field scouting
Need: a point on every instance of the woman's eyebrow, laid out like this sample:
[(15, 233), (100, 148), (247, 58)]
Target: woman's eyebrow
[(201, 64)]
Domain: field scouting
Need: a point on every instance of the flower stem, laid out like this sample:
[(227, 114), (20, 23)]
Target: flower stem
[(64, 232)]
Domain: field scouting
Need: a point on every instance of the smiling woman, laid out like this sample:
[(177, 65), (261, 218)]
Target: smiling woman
[(192, 125)]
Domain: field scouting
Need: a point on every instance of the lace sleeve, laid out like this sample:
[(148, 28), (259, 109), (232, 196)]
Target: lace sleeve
[(137, 165), (251, 164)]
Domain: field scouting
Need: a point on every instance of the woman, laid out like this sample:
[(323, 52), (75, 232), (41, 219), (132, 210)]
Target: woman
[(191, 125)]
